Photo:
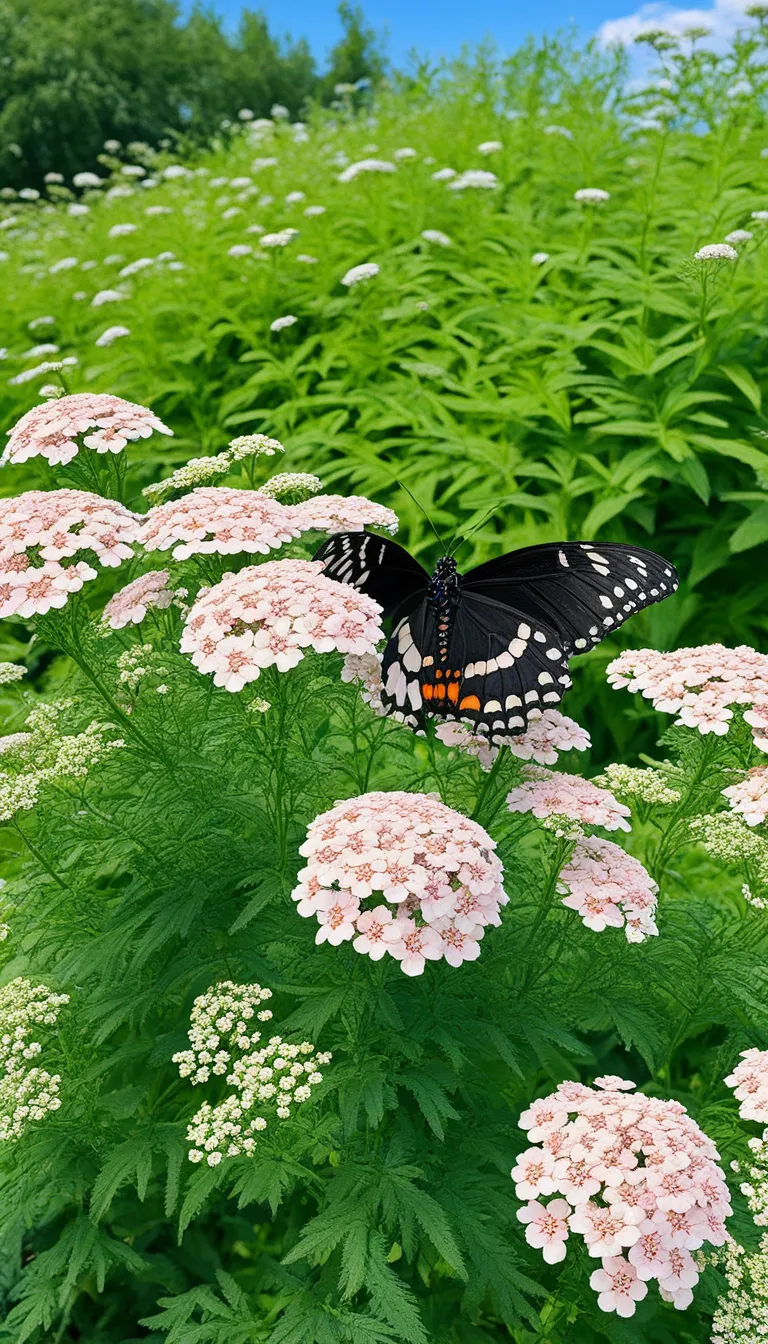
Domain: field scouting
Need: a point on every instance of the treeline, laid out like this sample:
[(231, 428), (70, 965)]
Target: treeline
[(73, 75)]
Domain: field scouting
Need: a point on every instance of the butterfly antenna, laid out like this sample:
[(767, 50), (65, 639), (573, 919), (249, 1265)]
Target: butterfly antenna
[(460, 541), (419, 506)]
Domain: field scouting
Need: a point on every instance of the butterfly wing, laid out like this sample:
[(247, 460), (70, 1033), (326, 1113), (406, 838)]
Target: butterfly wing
[(377, 566), (580, 590), (501, 670)]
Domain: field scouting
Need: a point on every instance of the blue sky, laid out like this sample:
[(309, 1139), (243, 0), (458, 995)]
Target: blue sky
[(435, 27), (440, 27)]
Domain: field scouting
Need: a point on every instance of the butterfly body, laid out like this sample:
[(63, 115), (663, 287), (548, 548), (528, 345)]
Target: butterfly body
[(492, 646)]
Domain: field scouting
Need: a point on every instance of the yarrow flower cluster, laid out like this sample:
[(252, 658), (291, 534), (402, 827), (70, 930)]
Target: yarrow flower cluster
[(546, 793), (716, 252), (218, 520), (749, 798), (27, 1093), (727, 838), (365, 271), (646, 785), (700, 685), (44, 755), (591, 195), (10, 672), (291, 487), (201, 470), (546, 735), (342, 513), (634, 1176), (610, 889), (129, 606), (432, 873), (41, 534), (267, 615), (365, 670), (271, 1077), (472, 180), (354, 170), (749, 1081), (53, 429)]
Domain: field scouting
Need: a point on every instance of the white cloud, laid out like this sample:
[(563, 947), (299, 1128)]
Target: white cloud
[(721, 19)]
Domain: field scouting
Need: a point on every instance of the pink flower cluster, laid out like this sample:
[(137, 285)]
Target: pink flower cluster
[(434, 868), (267, 614), (548, 793), (634, 1176), (749, 1081), (42, 531), (130, 605), (750, 796), (215, 519), (610, 889), (52, 429), (700, 685), (342, 513), (547, 734)]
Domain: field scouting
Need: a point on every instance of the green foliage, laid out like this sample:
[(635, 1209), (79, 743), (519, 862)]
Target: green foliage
[(614, 392)]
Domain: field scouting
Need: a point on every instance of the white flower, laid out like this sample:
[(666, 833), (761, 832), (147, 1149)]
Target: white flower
[(403, 154), (65, 264), (443, 174), (86, 180), (280, 323), (591, 195), (474, 178), (366, 166), (365, 271), (739, 236), (76, 208), (539, 258), (54, 178), (175, 171), (559, 130), (245, 114), (281, 239), (107, 296), (435, 236), (294, 197), (240, 250), (489, 147), (312, 211), (111, 335), (760, 215), (716, 252), (122, 230)]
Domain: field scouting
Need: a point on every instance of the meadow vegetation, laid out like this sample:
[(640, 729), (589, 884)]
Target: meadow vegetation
[(533, 303)]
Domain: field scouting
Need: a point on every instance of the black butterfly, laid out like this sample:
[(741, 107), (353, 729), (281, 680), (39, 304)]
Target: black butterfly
[(492, 646)]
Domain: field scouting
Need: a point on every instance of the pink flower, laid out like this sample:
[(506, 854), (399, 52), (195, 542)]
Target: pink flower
[(547, 734), (342, 513), (547, 1228), (701, 685), (547, 793), (423, 858), (52, 429), (372, 926), (214, 519), (413, 945), (533, 1174), (618, 1287), (750, 1083), (55, 527), (608, 887), (749, 798), (336, 915), (637, 1175), (266, 615), (130, 605)]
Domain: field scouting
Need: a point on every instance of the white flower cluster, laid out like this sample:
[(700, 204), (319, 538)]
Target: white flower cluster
[(741, 1316), (27, 1092), (42, 755), (646, 785), (290, 487), (275, 1076), (10, 672), (137, 663), (202, 470), (727, 838)]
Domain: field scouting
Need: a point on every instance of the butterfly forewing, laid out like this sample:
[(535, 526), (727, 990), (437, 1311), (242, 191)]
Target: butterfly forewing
[(375, 565), (581, 590)]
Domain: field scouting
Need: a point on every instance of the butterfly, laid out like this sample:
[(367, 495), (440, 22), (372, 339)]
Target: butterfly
[(492, 646)]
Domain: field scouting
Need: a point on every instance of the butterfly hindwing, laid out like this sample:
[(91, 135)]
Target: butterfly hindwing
[(581, 590), (501, 670), (377, 566)]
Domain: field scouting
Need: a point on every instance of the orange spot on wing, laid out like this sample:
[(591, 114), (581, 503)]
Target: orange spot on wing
[(440, 692), (453, 692), (469, 702), (427, 690)]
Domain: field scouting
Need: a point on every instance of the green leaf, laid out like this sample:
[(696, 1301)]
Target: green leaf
[(745, 382), (752, 532)]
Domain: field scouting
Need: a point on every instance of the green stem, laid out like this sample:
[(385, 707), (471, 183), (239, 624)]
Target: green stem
[(41, 859)]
